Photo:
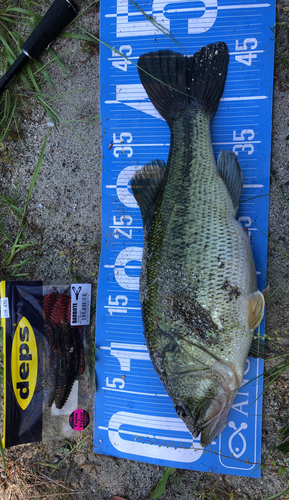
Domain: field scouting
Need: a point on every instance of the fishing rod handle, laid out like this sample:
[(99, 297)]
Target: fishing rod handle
[(58, 16)]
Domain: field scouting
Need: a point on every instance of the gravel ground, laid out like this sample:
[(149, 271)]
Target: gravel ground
[(64, 216)]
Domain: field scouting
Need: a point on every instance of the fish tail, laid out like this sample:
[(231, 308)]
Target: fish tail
[(175, 82)]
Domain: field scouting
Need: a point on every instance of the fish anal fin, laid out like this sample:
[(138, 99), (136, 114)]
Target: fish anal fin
[(146, 185), (256, 304), (229, 169)]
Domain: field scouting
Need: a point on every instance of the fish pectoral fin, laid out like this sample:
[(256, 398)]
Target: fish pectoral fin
[(256, 304), (257, 349), (146, 185), (229, 169)]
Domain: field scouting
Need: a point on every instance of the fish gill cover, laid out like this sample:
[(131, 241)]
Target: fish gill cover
[(134, 416)]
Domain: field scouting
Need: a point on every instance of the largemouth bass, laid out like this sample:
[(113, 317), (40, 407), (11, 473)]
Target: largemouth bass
[(199, 296)]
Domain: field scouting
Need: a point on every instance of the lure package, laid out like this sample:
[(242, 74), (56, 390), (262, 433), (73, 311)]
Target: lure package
[(48, 390)]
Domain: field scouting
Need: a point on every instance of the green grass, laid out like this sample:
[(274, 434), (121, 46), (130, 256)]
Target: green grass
[(10, 248), (16, 22), (15, 25), (160, 488), (65, 449)]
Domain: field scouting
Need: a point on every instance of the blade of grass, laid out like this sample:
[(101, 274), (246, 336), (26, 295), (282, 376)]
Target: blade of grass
[(5, 234), (160, 488), (67, 34), (56, 59), (157, 25), (10, 205), (279, 189), (86, 8), (9, 51), (35, 175), (44, 73), (28, 13), (270, 281), (93, 37), (78, 445), (66, 125), (31, 76), (3, 133), (273, 243), (278, 495), (3, 457), (8, 40), (197, 484)]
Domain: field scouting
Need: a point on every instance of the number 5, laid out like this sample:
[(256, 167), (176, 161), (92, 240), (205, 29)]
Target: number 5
[(245, 43), (114, 382)]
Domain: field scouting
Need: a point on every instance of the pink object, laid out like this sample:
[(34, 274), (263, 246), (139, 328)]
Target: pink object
[(79, 420)]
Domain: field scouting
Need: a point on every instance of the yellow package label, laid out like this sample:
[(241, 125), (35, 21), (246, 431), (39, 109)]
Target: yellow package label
[(24, 363)]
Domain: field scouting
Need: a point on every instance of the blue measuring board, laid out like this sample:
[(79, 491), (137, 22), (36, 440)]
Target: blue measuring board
[(134, 417)]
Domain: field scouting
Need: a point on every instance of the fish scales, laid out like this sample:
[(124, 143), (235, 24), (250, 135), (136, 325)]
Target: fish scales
[(201, 233), (198, 288)]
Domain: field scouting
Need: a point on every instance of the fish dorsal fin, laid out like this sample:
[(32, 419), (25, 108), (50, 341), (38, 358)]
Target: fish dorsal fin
[(229, 169), (146, 185), (256, 304)]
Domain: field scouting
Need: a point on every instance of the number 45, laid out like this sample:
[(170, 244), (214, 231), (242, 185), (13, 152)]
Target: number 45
[(249, 44)]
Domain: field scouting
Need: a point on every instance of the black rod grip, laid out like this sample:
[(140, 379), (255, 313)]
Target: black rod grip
[(13, 71), (58, 16)]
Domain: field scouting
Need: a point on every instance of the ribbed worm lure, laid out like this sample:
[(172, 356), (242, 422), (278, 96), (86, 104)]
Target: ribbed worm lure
[(64, 349), (45, 342)]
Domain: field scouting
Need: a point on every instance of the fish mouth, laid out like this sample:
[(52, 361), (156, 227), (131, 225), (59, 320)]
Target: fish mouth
[(203, 391), (209, 417), (212, 419), (212, 416), (211, 428)]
